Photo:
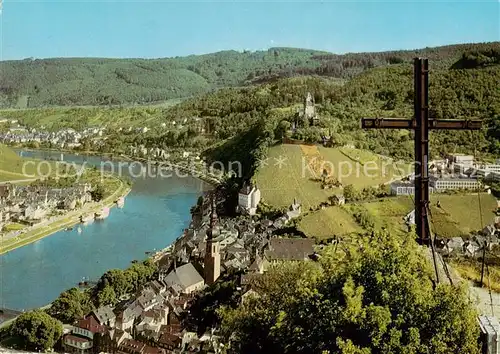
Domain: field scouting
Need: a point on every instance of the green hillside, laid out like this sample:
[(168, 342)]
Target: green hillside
[(99, 81), (294, 171), (227, 114), (14, 168)]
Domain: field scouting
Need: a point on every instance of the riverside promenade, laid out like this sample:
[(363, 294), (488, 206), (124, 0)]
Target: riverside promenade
[(19, 238)]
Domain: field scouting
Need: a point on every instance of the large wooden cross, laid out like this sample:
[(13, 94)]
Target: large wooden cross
[(421, 123)]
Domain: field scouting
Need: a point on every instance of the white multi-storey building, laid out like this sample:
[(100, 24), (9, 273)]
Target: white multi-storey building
[(485, 170), (442, 184), (401, 188), (248, 199), (463, 168), (494, 176)]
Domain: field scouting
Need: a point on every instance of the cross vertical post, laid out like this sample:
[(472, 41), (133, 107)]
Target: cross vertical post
[(421, 124), (421, 111)]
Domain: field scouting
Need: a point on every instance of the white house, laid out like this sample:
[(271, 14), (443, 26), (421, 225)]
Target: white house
[(248, 199), (462, 159), (410, 218), (293, 211)]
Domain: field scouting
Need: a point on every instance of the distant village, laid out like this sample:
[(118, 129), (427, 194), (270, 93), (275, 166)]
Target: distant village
[(457, 171), (68, 138), (64, 138)]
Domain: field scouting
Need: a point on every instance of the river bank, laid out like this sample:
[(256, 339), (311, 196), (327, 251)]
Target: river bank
[(154, 216), (206, 176), (70, 219), (56, 224)]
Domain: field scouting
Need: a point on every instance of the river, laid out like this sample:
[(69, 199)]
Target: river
[(156, 212)]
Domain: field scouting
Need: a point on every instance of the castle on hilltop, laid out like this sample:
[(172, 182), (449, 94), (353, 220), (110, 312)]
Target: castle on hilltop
[(308, 114)]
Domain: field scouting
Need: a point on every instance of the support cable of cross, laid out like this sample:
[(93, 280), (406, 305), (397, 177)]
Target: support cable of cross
[(421, 124), (432, 244), (485, 244)]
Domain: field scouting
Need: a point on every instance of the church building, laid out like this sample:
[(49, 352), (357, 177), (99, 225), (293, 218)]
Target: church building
[(212, 254)]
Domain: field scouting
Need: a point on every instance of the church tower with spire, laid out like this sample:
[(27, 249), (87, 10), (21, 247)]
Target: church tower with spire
[(212, 253)]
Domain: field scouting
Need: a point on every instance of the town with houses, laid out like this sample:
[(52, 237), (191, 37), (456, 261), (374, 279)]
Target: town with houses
[(151, 322), (71, 139), (15, 133), (37, 204), (64, 138)]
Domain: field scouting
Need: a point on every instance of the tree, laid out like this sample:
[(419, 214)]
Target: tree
[(37, 330), (373, 297), (71, 305), (203, 308), (107, 296), (351, 194), (282, 129), (116, 282), (98, 192), (117, 279)]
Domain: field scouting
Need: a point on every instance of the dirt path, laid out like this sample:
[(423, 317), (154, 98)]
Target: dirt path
[(486, 304)]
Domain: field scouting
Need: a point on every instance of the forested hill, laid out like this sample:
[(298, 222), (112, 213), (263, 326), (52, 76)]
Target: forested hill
[(94, 81)]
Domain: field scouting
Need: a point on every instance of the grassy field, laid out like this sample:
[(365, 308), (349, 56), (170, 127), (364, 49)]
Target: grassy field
[(279, 186), (464, 210), (470, 269), (458, 215), (13, 227), (13, 167), (303, 165), (327, 222)]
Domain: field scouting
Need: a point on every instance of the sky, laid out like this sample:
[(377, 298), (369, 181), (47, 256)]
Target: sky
[(157, 29)]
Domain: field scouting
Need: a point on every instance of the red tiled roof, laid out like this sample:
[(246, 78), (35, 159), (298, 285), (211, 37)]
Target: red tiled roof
[(152, 350), (171, 328), (169, 339), (180, 302), (174, 319), (90, 323), (132, 345)]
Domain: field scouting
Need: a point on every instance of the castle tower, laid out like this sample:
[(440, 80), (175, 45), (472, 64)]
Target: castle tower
[(212, 253), (310, 110)]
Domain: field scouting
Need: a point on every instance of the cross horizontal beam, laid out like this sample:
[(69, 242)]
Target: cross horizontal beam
[(401, 123)]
